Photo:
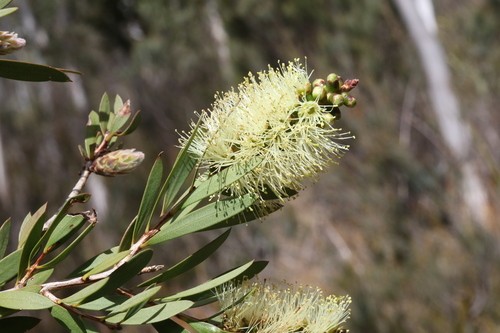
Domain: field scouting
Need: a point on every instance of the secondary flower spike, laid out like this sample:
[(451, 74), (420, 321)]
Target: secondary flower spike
[(279, 117), (263, 307)]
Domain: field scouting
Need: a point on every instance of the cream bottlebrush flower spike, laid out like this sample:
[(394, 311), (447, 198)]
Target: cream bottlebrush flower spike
[(277, 116), (261, 307)]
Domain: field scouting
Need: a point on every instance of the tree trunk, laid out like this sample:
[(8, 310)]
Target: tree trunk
[(420, 21)]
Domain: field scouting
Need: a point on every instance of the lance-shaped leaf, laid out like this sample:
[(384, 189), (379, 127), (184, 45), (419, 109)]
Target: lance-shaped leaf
[(121, 114), (152, 314), (24, 71), (92, 262), (31, 245), (18, 324), (67, 250), (132, 125), (107, 263), (150, 199), (24, 300), (70, 322), (10, 266), (106, 286), (182, 168), (104, 303), (7, 11), (211, 284), (104, 112), (4, 3), (189, 262), (29, 222), (135, 300), (203, 218), (40, 277), (91, 131), (220, 181), (69, 225), (4, 237)]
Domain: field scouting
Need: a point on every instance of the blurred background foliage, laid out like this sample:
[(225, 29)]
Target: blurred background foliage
[(386, 226)]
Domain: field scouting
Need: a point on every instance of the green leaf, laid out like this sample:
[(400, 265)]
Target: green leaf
[(135, 300), (149, 200), (40, 277), (104, 303), (120, 118), (189, 262), (91, 130), (72, 323), (252, 213), (107, 263), (202, 218), (126, 240), (4, 3), (18, 324), (4, 236), (24, 300), (104, 112), (7, 11), (23, 71), (211, 284), (69, 225), (132, 126), (67, 250), (152, 314), (10, 266), (220, 181), (182, 168), (121, 275), (28, 224), (92, 262), (202, 327), (32, 234)]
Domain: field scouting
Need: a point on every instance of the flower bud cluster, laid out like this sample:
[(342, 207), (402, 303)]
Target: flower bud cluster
[(9, 42)]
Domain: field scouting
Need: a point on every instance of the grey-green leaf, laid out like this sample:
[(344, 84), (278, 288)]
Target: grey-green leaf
[(203, 218), (24, 71), (69, 225), (106, 263), (149, 200), (24, 300), (152, 314), (10, 266), (211, 284), (189, 262), (220, 181), (4, 236), (104, 111), (136, 299), (72, 323)]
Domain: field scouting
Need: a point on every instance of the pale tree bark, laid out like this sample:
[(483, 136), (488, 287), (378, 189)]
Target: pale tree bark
[(419, 18)]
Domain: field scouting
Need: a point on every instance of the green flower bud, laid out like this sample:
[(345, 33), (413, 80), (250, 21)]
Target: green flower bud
[(349, 101), (318, 83), (319, 92), (333, 82), (335, 99), (9, 42), (117, 162)]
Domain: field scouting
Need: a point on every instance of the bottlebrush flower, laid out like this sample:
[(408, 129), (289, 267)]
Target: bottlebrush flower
[(277, 117), (262, 307)]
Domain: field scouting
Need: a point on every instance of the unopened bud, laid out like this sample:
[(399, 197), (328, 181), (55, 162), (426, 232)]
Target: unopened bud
[(125, 110), (335, 99), (319, 92), (349, 101), (117, 162), (9, 42), (349, 85), (333, 82), (318, 83)]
